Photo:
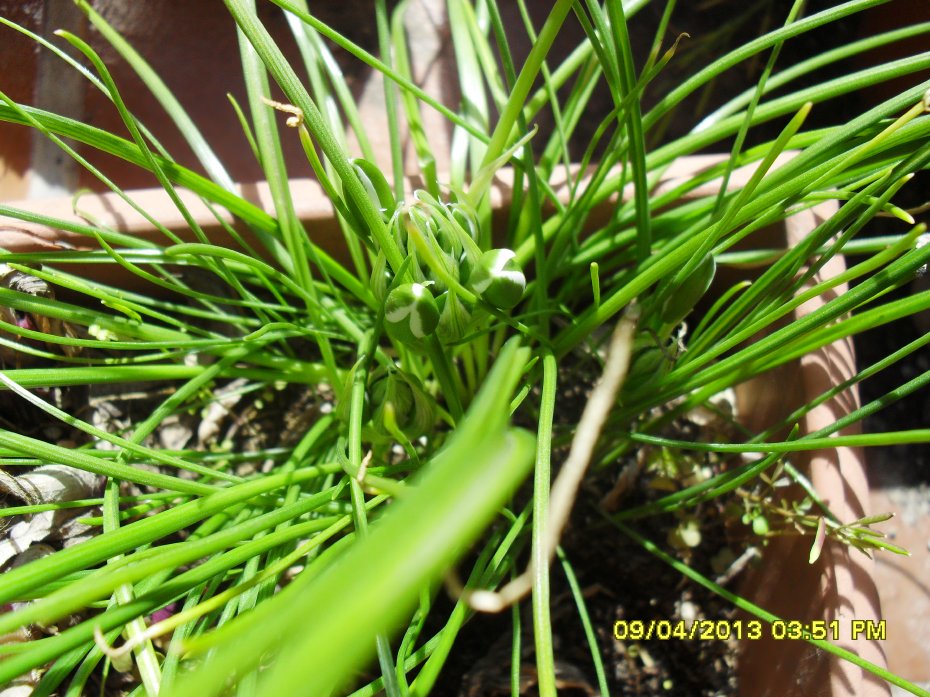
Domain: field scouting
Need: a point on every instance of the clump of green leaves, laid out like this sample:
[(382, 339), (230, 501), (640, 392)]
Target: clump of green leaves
[(290, 567)]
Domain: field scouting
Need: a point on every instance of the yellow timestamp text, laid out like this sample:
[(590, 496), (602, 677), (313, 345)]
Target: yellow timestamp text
[(723, 630)]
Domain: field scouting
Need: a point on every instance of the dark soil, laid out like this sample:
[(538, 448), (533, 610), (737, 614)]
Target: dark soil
[(619, 581)]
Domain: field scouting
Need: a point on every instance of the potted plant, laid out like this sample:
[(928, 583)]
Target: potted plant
[(289, 567)]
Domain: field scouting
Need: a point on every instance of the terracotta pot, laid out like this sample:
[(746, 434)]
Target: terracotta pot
[(838, 586)]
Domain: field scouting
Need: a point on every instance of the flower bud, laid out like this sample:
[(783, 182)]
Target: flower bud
[(686, 295), (497, 278), (381, 277), (401, 397), (410, 313), (376, 186), (454, 318)]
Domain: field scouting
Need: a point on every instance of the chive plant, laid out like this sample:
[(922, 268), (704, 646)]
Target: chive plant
[(438, 336)]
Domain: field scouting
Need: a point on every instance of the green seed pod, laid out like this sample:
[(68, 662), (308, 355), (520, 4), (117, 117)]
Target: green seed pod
[(454, 318), (410, 313), (685, 296), (497, 278)]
